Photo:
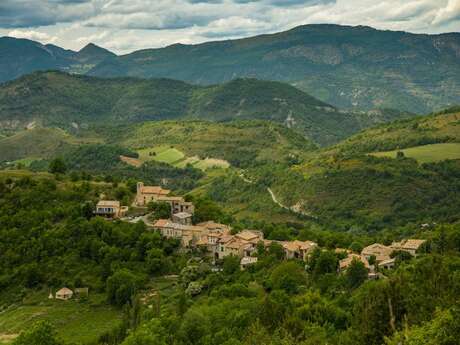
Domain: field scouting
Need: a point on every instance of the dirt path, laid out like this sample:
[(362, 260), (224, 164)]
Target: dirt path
[(295, 208)]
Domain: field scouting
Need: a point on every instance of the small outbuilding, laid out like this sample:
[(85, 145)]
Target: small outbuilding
[(64, 294)]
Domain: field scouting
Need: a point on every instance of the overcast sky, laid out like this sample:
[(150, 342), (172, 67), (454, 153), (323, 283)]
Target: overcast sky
[(126, 25)]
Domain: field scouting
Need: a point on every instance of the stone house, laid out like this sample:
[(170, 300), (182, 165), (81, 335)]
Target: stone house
[(188, 234), (410, 245), (110, 209), (345, 263), (387, 264), (380, 251), (146, 194), (183, 218), (298, 249)]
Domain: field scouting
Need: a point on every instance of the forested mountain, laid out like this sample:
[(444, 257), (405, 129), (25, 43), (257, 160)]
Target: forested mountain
[(360, 187), (75, 102), (356, 67), (348, 67), (23, 56)]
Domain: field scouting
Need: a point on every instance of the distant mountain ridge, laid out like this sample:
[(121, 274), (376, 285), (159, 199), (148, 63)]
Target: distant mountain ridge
[(349, 67), (20, 56), (76, 102)]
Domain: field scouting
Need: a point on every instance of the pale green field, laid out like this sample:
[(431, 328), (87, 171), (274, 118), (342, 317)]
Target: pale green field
[(173, 156), (426, 153), (82, 322), (163, 154), (210, 163)]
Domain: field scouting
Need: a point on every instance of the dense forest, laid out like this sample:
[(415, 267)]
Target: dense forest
[(51, 238)]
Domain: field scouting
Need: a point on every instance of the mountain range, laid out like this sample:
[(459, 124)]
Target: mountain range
[(74, 102), (348, 67)]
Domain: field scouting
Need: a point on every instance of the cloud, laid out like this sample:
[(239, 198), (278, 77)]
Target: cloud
[(124, 25), (33, 35)]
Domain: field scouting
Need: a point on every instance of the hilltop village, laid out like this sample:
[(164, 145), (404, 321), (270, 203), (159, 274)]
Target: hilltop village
[(220, 240)]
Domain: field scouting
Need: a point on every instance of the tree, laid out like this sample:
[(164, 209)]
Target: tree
[(288, 276), (57, 166), (155, 260), (356, 274), (325, 263), (42, 333), (231, 264), (160, 210), (121, 286)]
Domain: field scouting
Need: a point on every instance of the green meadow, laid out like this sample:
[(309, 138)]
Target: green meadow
[(426, 153), (173, 156), (76, 322)]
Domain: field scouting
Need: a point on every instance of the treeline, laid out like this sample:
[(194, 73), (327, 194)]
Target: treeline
[(104, 161)]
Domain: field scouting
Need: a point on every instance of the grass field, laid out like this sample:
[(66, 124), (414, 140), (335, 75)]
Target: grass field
[(427, 153), (173, 156), (165, 154), (76, 322)]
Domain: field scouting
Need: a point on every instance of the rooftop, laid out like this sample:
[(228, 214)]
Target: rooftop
[(108, 203), (154, 190)]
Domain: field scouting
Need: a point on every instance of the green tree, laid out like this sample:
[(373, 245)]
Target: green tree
[(231, 264), (288, 276), (122, 286), (356, 274), (160, 210), (41, 333), (57, 166)]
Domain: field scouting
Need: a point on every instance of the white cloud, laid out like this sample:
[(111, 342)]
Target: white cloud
[(33, 35)]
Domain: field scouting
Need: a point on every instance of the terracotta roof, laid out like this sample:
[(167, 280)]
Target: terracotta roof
[(248, 235), (154, 190), (298, 245), (380, 251), (343, 264), (225, 239), (64, 291), (410, 244), (161, 223), (108, 203)]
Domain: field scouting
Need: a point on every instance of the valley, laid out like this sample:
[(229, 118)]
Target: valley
[(293, 188)]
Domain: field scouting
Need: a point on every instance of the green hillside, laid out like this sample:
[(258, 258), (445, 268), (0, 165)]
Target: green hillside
[(34, 143), (76, 103), (350, 188), (344, 188), (353, 67), (437, 128), (242, 143)]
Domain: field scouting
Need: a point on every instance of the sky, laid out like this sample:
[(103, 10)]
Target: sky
[(123, 26)]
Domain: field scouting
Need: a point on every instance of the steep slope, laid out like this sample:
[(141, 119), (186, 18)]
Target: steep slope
[(74, 102), (357, 67)]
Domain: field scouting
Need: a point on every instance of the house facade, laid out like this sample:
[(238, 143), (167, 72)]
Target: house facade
[(379, 251), (410, 245), (146, 194), (110, 209)]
